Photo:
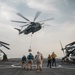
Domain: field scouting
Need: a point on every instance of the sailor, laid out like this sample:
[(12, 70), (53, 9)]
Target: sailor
[(53, 58), (49, 61), (24, 62), (30, 58), (39, 60)]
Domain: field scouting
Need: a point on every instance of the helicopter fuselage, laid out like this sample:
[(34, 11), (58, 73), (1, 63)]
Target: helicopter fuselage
[(32, 28), (70, 51)]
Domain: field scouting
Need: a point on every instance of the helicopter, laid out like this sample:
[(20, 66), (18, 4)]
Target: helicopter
[(69, 49), (32, 26)]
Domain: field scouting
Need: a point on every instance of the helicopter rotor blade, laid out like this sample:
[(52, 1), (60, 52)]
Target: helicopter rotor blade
[(45, 25), (23, 17), (5, 46), (36, 16), (61, 46), (41, 23), (3, 43), (19, 21), (24, 25), (46, 20)]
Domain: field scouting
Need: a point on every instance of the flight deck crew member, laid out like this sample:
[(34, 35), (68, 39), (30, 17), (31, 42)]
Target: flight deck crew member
[(49, 61), (24, 62), (53, 59), (30, 58), (39, 60)]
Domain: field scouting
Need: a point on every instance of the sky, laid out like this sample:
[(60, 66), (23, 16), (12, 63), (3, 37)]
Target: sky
[(46, 40)]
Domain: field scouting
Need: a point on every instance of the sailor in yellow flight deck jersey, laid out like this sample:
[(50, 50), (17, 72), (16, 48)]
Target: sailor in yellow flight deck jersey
[(53, 59)]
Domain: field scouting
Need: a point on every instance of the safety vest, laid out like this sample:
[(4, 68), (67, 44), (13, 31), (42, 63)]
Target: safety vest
[(30, 57), (23, 58)]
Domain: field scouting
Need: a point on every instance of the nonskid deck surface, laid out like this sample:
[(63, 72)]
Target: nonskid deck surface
[(13, 67)]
